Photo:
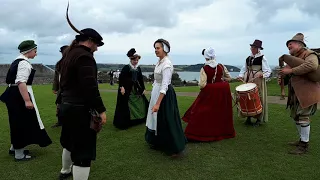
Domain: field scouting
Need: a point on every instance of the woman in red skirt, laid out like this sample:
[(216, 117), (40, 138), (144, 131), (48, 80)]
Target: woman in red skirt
[(210, 116)]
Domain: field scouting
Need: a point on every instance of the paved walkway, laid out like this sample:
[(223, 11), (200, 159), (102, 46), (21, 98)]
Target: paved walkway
[(271, 99)]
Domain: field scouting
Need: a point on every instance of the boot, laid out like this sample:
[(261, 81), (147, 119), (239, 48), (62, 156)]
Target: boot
[(301, 149), (248, 121), (258, 122), (294, 143)]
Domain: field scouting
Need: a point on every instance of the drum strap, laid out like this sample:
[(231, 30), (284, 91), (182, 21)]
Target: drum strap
[(250, 71)]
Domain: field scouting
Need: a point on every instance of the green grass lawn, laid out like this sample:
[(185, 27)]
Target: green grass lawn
[(255, 153)]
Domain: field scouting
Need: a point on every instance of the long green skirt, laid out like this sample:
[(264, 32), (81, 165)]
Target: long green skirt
[(137, 106), (170, 137)]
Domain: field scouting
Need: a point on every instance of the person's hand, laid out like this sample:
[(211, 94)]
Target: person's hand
[(103, 118), (54, 92), (122, 90), (240, 78), (155, 108), (286, 70), (29, 104)]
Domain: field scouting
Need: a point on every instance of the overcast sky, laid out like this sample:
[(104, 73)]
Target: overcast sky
[(229, 26)]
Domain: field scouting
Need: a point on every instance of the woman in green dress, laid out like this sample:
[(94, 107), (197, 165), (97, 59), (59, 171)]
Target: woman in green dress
[(132, 104), (164, 129)]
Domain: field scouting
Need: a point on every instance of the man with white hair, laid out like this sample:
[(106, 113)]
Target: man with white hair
[(256, 70), (301, 104)]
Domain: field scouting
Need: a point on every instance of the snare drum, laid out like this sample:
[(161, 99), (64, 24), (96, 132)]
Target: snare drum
[(248, 100)]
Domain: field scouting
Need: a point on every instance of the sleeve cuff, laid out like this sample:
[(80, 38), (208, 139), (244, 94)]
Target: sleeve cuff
[(163, 92), (101, 109), (19, 82), (294, 70)]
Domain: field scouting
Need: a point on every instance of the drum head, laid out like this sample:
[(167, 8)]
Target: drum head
[(246, 87)]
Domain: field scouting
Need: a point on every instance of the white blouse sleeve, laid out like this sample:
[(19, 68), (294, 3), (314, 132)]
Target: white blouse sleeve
[(266, 68), (243, 70), (203, 79), (23, 72), (166, 79), (227, 75)]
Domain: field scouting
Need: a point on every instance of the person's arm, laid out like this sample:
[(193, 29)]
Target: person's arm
[(87, 78), (226, 74), (243, 70), (265, 68), (23, 73), (140, 79), (203, 79), (55, 86), (311, 64)]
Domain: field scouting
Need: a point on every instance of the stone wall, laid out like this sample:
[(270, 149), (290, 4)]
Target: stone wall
[(44, 74)]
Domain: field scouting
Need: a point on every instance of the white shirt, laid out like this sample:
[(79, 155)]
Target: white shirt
[(163, 74), (266, 70), (24, 70)]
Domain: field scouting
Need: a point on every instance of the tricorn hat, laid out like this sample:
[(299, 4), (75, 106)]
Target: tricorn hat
[(299, 37), (87, 33), (257, 43)]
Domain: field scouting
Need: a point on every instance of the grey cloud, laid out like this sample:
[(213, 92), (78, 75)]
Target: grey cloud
[(269, 8), (46, 19)]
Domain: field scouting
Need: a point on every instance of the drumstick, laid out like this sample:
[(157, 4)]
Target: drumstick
[(255, 78)]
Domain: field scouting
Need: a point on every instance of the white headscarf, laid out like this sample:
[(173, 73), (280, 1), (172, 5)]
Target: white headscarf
[(210, 53), (165, 48)]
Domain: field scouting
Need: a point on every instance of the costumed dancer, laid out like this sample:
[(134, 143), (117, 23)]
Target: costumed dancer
[(26, 126), (210, 117), (256, 70), (164, 130), (132, 104), (80, 97), (55, 86), (303, 94)]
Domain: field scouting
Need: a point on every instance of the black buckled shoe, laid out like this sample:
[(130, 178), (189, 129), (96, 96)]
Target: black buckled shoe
[(65, 176)]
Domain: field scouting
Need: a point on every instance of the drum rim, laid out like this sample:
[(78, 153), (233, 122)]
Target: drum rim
[(254, 84)]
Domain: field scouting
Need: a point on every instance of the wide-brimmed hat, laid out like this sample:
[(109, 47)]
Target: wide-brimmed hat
[(257, 43), (299, 37)]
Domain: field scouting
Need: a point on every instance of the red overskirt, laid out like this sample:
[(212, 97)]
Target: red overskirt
[(210, 117)]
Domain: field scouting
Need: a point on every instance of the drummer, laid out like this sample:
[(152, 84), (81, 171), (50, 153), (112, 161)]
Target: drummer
[(256, 70)]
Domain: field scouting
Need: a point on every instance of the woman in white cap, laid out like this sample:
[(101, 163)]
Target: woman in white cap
[(164, 130), (210, 117)]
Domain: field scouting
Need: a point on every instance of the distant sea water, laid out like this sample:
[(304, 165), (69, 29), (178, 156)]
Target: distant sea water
[(189, 76)]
